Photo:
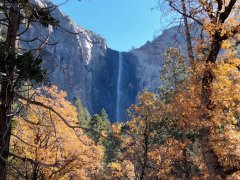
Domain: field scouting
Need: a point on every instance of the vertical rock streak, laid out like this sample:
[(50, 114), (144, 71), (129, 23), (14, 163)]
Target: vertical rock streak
[(118, 106)]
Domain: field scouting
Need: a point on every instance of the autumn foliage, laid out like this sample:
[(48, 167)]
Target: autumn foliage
[(188, 129), (46, 147)]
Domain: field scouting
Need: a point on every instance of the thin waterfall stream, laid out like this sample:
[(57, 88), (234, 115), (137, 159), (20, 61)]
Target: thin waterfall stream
[(120, 58)]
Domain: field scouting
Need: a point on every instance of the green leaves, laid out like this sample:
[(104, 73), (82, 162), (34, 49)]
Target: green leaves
[(174, 71), (99, 123), (30, 68), (43, 16), (24, 66)]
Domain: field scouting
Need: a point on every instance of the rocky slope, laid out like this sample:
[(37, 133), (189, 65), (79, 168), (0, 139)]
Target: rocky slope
[(70, 55), (82, 64)]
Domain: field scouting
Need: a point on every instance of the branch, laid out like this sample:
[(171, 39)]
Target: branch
[(23, 141), (232, 170), (56, 164), (224, 15), (232, 32), (208, 8), (220, 5), (30, 40), (184, 14), (29, 101), (29, 19), (55, 172), (47, 107)]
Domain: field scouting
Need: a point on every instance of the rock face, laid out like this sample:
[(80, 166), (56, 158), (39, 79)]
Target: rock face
[(105, 84), (150, 55), (82, 64), (140, 71), (70, 55)]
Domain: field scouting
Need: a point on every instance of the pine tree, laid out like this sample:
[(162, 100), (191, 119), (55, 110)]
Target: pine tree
[(15, 66), (83, 115)]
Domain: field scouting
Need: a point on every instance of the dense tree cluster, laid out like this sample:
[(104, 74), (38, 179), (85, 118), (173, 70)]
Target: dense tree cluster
[(189, 129)]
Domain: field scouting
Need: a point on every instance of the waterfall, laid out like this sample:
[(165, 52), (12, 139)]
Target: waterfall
[(120, 58)]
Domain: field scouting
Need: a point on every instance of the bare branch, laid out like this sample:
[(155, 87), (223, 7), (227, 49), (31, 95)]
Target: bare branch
[(224, 15), (187, 15), (24, 159)]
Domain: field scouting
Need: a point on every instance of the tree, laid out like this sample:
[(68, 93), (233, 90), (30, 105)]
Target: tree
[(83, 115), (220, 20), (174, 71), (123, 170), (99, 125), (16, 67), (187, 34), (224, 130), (111, 144), (44, 147), (186, 11), (145, 142)]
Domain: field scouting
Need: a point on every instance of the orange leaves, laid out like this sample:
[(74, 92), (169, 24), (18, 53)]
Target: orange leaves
[(226, 91), (226, 95), (186, 106), (121, 170), (42, 135), (226, 142), (146, 144)]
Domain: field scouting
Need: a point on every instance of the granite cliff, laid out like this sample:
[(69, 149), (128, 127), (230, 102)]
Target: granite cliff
[(84, 66)]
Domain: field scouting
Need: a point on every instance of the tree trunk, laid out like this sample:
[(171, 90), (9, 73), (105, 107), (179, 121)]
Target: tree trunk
[(185, 164), (188, 35), (215, 170), (145, 155), (13, 26), (5, 125), (35, 172), (7, 87)]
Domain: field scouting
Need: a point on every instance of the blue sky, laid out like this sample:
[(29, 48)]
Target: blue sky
[(123, 23)]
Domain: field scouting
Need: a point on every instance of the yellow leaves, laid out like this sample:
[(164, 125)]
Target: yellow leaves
[(48, 139), (227, 44), (156, 155), (186, 104), (226, 91), (225, 135), (238, 37), (115, 166), (147, 98), (234, 176), (124, 169), (143, 129), (116, 128), (226, 141), (210, 27)]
